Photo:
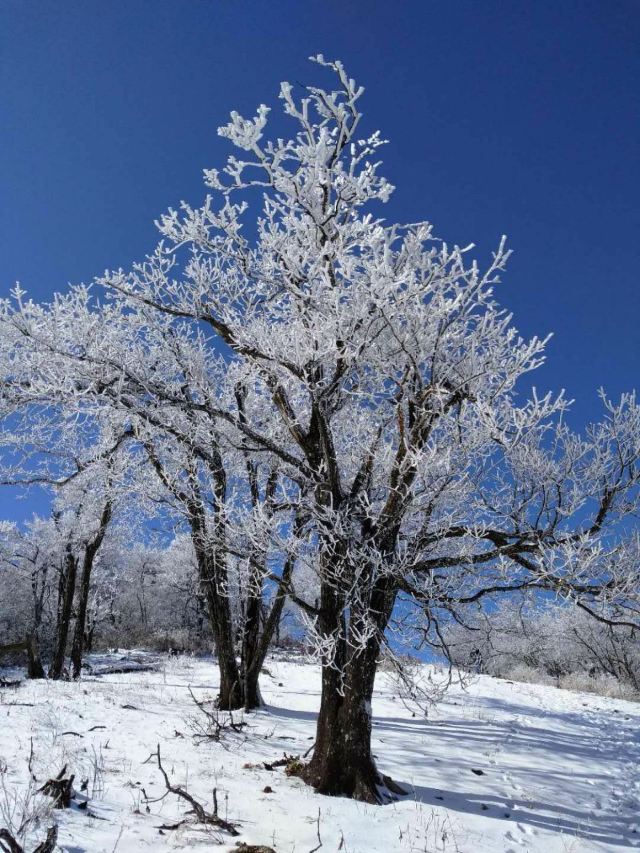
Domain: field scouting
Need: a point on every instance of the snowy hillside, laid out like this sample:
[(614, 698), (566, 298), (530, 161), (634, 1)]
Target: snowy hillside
[(501, 767)]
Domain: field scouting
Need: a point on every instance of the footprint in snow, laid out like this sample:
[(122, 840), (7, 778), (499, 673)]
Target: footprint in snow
[(510, 836)]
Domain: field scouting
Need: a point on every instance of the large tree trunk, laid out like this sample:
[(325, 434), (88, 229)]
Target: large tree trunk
[(77, 648), (66, 590), (250, 667), (342, 763), (249, 664), (231, 695)]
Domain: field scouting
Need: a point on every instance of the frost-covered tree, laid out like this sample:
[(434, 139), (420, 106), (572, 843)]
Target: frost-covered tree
[(547, 642), (230, 504), (149, 595), (378, 372), (26, 558), (83, 464), (207, 477), (45, 576)]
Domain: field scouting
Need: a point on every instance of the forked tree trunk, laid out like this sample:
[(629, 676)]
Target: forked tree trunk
[(210, 551), (231, 694), (239, 684), (77, 648), (66, 591), (256, 643), (230, 697)]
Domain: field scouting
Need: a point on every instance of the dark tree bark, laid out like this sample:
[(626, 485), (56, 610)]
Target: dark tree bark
[(239, 682), (231, 694), (12, 846), (213, 584), (342, 763), (249, 664), (66, 591), (88, 638), (35, 669), (210, 550), (90, 553), (257, 644), (49, 844)]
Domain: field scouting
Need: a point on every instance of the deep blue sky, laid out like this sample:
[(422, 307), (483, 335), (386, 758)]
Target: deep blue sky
[(504, 117)]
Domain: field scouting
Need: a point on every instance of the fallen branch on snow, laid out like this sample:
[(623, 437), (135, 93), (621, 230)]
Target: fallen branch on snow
[(202, 816)]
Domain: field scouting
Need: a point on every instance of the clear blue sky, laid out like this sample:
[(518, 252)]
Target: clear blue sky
[(518, 117)]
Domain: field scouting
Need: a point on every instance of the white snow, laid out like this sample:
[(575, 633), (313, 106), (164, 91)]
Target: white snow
[(559, 770)]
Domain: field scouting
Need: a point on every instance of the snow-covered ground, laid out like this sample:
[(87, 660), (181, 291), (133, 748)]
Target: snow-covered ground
[(499, 767)]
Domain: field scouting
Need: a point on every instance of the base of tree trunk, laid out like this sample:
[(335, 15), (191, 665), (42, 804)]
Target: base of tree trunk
[(362, 783), (35, 668), (343, 764), (235, 697), (230, 698), (252, 696)]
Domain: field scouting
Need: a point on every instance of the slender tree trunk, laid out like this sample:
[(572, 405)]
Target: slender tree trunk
[(35, 669), (210, 551), (77, 647), (66, 591), (257, 646), (231, 692), (249, 664)]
